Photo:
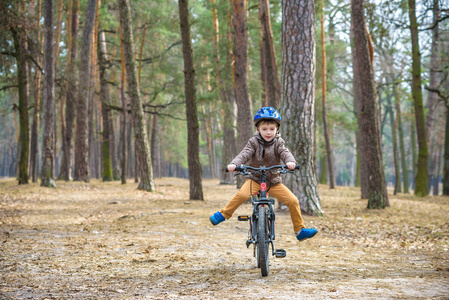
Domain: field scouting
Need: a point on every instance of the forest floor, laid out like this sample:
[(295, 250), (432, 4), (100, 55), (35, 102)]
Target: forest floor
[(110, 241)]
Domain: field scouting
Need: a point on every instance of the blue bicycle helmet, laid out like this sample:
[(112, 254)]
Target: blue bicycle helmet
[(267, 113)]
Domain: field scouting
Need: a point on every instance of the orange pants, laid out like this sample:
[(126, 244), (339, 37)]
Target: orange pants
[(278, 191)]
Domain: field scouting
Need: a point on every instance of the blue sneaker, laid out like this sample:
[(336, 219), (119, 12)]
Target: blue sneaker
[(217, 218), (306, 233)]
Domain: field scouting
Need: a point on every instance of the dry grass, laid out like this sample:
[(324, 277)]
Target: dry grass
[(107, 240)]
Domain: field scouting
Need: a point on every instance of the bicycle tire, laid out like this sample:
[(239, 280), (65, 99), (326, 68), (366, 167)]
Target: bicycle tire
[(262, 241)]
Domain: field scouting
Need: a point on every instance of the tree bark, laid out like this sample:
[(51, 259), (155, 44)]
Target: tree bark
[(105, 98), (140, 132), (195, 169), (401, 139), (35, 16), (71, 94), (22, 81), (432, 98), (124, 114), (361, 162), (298, 98), (329, 152), (272, 85), (369, 114), (82, 169), (155, 147), (446, 155), (228, 104), (48, 150), (394, 141), (422, 171), (244, 116)]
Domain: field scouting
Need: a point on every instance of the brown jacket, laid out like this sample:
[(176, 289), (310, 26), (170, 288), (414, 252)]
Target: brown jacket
[(259, 152)]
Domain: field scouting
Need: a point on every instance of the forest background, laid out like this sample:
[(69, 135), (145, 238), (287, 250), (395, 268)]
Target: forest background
[(159, 62)]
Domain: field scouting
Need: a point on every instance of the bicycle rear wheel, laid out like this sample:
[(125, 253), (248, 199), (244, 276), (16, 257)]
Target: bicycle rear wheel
[(262, 241)]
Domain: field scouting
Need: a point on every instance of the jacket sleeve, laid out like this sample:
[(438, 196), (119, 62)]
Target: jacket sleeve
[(284, 153), (245, 155)]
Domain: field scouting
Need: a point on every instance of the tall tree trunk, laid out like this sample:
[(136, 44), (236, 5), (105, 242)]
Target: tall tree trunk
[(438, 156), (422, 171), (71, 94), (369, 114), (35, 16), (413, 150), (124, 114), (195, 169), (401, 139), (298, 98), (56, 43), (446, 155), (20, 36), (228, 103), (23, 108), (82, 170), (432, 98), (244, 116), (140, 130), (48, 150), (361, 161), (329, 152), (155, 147), (272, 85), (105, 99), (394, 141)]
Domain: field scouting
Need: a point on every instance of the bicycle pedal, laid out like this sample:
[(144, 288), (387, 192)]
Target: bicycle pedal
[(243, 218), (280, 253)]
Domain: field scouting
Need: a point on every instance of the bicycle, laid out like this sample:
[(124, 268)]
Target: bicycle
[(262, 221)]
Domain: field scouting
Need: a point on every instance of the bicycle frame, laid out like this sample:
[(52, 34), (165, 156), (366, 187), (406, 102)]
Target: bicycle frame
[(268, 234)]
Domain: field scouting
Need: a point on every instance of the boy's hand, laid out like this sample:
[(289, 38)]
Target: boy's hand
[(231, 167), (290, 165)]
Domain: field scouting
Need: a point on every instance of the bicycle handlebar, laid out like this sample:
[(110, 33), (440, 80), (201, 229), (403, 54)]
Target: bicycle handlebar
[(243, 168)]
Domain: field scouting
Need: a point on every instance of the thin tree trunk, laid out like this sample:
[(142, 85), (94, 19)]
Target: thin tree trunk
[(155, 147), (446, 155), (124, 115), (48, 150), (438, 156), (82, 170), (35, 15), (298, 98), (19, 36), (195, 169), (244, 115), (272, 85), (422, 171), (228, 103), (432, 98), (329, 152), (394, 141), (142, 145), (105, 98), (61, 104), (369, 114), (71, 94), (401, 139)]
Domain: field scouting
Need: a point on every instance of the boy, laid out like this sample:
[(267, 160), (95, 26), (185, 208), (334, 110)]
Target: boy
[(266, 148)]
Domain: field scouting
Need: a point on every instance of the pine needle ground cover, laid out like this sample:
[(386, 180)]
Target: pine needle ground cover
[(112, 241)]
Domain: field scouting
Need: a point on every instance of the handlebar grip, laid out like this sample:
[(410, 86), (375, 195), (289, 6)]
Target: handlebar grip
[(297, 167), (237, 169)]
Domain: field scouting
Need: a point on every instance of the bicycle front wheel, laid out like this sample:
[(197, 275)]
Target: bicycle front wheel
[(262, 241)]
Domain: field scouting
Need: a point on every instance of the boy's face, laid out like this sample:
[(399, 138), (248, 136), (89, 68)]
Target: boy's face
[(267, 131)]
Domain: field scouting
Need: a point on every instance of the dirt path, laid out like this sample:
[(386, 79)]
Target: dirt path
[(105, 240)]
